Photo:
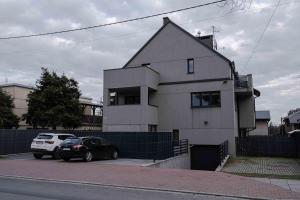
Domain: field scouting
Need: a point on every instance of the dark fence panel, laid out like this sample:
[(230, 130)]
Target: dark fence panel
[(143, 145), (277, 146), (181, 147)]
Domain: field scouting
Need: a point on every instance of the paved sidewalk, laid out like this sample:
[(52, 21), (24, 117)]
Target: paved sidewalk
[(144, 177), (293, 185), (263, 166)]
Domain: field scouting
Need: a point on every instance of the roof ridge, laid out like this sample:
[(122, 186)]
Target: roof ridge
[(189, 34)]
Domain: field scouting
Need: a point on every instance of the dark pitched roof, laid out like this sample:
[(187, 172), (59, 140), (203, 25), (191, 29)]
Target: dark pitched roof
[(263, 115), (190, 35), (16, 85)]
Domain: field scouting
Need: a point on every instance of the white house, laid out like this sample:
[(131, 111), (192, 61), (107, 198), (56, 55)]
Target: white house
[(178, 83)]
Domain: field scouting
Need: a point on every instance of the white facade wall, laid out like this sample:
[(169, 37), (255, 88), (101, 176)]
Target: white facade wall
[(167, 54), (261, 128)]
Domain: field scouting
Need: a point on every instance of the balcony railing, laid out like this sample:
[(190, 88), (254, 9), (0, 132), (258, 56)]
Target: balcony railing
[(92, 120), (243, 81)]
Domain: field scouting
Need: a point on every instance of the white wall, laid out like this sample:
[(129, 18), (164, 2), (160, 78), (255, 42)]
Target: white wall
[(179, 162), (168, 52), (261, 128)]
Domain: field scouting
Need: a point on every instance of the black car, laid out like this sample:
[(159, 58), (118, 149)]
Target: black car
[(88, 148)]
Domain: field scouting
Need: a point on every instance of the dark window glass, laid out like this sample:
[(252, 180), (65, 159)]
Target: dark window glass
[(152, 128), (44, 136), (215, 98), (113, 98), (196, 100), (132, 100), (190, 66), (72, 141), (63, 137), (176, 136), (206, 99)]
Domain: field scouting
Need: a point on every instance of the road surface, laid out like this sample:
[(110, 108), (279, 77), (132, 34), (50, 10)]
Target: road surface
[(26, 189)]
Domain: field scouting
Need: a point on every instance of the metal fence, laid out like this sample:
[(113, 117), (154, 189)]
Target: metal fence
[(223, 151), (280, 146), (181, 147), (140, 145)]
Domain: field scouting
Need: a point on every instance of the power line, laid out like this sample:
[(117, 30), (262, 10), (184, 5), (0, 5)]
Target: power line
[(262, 35), (143, 30), (113, 23)]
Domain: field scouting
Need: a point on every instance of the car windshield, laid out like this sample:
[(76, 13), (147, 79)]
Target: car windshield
[(72, 140), (44, 136)]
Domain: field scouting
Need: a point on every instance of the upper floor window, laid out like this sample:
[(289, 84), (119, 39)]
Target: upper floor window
[(206, 99), (113, 98), (190, 66)]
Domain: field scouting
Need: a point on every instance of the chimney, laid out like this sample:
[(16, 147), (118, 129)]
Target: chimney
[(208, 40), (166, 20)]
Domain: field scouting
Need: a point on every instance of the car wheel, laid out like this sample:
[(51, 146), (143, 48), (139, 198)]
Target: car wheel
[(37, 155), (66, 159), (88, 156), (55, 155), (115, 154)]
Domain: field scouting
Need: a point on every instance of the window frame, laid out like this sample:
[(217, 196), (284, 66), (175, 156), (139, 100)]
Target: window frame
[(210, 99), (188, 66), (116, 99)]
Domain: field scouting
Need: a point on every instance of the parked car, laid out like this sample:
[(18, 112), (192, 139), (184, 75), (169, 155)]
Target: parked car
[(88, 148), (48, 144)]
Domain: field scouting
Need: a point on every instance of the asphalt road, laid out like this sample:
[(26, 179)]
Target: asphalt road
[(25, 189)]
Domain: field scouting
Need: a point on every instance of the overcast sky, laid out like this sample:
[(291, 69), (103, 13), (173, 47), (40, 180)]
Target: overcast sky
[(275, 64)]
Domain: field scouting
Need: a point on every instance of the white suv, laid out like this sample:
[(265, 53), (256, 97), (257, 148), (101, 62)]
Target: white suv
[(48, 144)]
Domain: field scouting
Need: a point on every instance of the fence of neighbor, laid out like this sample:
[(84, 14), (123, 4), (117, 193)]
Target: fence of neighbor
[(140, 145), (274, 146)]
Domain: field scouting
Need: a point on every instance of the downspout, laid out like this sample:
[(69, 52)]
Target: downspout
[(238, 115)]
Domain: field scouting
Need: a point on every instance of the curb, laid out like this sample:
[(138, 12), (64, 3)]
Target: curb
[(130, 187)]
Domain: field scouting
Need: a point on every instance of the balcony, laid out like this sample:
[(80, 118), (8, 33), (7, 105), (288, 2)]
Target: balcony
[(244, 85), (92, 120), (131, 77)]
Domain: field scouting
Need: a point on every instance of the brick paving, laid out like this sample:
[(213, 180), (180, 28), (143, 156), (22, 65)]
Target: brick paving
[(144, 177), (293, 185), (263, 165)]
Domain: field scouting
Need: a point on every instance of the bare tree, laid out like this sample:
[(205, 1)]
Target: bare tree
[(237, 4)]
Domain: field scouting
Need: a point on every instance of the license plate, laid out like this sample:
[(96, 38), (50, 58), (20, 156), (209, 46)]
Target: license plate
[(39, 142), (66, 149)]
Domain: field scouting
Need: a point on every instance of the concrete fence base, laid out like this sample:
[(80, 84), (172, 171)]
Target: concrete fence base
[(178, 162)]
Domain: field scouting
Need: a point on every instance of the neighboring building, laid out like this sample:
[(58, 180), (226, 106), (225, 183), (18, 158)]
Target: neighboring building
[(262, 123), (19, 94), (92, 113), (177, 82), (292, 121)]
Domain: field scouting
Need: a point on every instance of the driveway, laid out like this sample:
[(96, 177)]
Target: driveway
[(137, 177), (120, 161)]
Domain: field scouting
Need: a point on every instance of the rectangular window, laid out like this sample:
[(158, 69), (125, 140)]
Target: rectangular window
[(176, 136), (113, 98), (206, 99), (190, 66), (132, 100), (152, 128)]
